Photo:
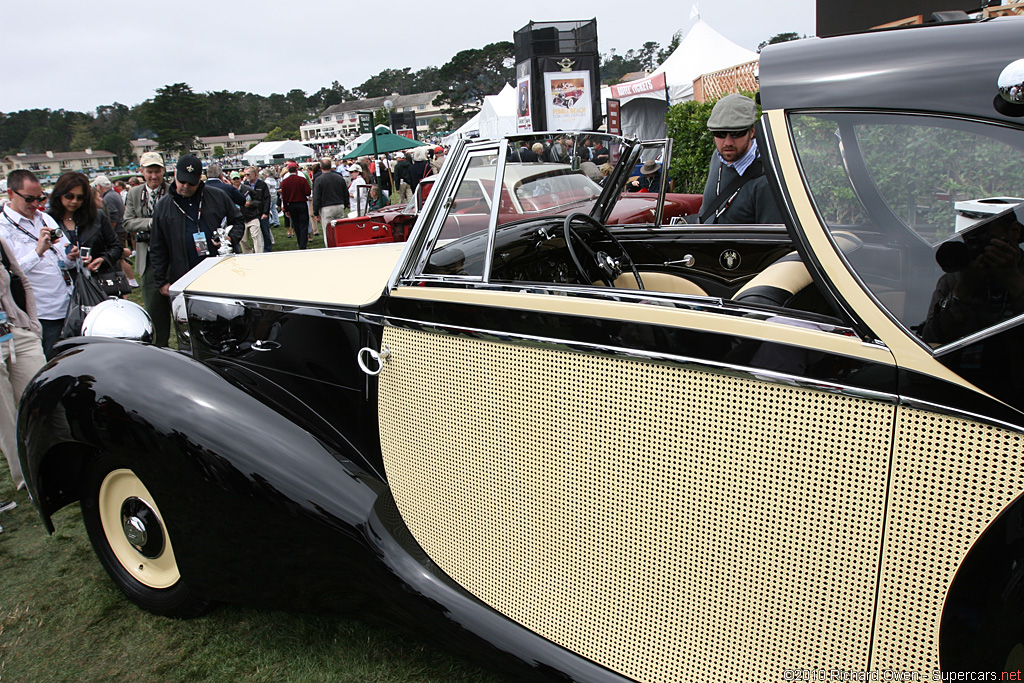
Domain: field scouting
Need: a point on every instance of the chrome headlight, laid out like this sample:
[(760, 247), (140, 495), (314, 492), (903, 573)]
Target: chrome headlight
[(119, 319)]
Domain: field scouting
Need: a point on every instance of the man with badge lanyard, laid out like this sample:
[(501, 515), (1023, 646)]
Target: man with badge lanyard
[(39, 246), (737, 190), (184, 224)]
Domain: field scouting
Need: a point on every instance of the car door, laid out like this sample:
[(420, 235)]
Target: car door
[(663, 484)]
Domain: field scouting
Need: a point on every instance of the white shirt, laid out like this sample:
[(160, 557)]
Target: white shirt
[(51, 292), (354, 195)]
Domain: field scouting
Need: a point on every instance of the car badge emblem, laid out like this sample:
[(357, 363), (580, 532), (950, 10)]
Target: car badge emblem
[(566, 64), (730, 259)]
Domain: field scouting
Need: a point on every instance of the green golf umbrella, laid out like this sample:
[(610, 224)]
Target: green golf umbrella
[(386, 142)]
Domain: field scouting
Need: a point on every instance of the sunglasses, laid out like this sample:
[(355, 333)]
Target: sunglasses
[(29, 198), (73, 197), (734, 134)]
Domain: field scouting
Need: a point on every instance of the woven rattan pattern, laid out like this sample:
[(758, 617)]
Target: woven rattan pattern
[(950, 479), (664, 522)]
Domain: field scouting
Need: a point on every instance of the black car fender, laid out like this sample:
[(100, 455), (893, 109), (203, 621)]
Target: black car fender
[(248, 495)]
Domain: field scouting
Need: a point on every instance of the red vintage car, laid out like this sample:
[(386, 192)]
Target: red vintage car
[(530, 190)]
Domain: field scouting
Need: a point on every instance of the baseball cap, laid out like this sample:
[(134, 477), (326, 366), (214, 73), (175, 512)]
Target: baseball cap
[(733, 112), (101, 181), (235, 174), (189, 169), (151, 159)]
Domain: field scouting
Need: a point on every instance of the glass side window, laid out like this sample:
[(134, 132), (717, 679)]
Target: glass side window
[(461, 243), (914, 203)]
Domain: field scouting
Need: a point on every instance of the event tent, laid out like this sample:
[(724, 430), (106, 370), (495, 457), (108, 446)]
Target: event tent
[(644, 102), (386, 142), (496, 118), (275, 152), (498, 114)]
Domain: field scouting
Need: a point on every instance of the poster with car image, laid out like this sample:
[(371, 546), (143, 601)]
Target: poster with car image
[(568, 100)]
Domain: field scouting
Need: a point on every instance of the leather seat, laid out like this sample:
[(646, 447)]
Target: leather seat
[(780, 282), (660, 282)]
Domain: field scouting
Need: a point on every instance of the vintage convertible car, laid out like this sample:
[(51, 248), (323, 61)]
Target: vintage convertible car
[(612, 453), (520, 184)]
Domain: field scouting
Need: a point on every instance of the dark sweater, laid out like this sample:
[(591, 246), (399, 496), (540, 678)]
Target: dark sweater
[(329, 189), (172, 250)]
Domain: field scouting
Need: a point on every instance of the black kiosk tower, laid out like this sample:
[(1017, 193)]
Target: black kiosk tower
[(558, 76)]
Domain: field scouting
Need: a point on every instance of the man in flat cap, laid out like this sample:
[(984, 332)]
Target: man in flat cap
[(737, 191), (183, 230), (138, 214)]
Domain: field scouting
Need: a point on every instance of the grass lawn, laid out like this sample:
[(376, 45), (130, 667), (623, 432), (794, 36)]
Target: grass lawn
[(62, 619)]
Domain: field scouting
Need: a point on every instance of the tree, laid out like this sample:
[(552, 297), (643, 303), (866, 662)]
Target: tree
[(779, 38), (436, 124), (171, 116), (473, 74), (81, 135), (388, 81), (218, 151)]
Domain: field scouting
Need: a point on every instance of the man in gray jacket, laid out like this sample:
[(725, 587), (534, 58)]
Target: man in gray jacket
[(736, 191), (138, 212)]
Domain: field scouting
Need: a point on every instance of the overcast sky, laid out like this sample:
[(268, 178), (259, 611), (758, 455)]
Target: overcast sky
[(76, 56)]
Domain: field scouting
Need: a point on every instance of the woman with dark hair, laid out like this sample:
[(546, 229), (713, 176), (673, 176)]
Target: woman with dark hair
[(73, 206)]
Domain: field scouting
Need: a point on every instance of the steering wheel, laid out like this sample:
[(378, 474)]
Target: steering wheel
[(607, 268)]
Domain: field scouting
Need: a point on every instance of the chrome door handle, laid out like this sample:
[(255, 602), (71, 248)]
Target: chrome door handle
[(366, 355), (687, 261), (265, 345)]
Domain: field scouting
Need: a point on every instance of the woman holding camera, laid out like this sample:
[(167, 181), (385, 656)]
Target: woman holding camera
[(73, 206)]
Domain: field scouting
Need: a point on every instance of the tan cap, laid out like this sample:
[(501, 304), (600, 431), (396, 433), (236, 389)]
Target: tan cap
[(733, 112), (151, 159)]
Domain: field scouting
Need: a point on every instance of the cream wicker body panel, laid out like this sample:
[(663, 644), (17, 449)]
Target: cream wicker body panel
[(670, 533), (950, 479)]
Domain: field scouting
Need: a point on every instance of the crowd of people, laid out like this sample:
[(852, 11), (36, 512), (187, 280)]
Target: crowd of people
[(88, 227)]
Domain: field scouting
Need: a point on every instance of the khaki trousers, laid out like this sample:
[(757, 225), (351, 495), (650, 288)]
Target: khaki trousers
[(14, 377), (252, 238)]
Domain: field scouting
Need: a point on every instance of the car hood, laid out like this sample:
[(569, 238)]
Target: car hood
[(346, 276)]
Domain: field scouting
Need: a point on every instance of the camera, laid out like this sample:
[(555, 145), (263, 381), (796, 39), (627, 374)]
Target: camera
[(142, 236), (55, 234)]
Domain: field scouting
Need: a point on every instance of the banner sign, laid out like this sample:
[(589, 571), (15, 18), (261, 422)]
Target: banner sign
[(524, 122), (652, 86), (567, 99), (614, 123)]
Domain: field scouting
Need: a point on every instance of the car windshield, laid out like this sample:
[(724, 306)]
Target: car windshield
[(553, 175)]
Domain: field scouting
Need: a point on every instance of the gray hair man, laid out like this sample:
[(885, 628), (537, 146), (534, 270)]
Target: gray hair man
[(736, 192), (138, 215)]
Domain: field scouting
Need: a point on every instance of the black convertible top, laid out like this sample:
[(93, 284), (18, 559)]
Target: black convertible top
[(947, 68)]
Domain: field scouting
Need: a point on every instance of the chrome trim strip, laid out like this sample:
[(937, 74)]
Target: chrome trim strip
[(632, 354), (301, 308), (492, 219), (943, 409), (979, 335)]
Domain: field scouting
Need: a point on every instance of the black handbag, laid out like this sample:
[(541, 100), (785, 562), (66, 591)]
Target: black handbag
[(86, 294), (113, 282)]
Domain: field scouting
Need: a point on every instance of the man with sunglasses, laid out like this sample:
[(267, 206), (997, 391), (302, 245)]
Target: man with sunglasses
[(45, 262), (736, 191)]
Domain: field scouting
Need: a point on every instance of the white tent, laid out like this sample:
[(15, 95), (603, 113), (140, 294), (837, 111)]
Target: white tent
[(276, 152), (470, 129), (644, 102), (496, 118), (498, 115)]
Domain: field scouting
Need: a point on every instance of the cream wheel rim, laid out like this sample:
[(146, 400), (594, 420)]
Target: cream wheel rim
[(120, 489)]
